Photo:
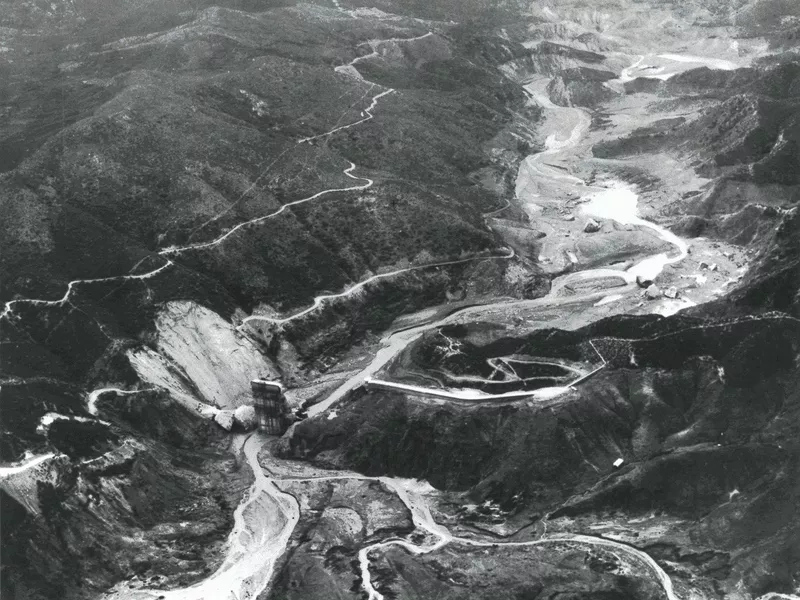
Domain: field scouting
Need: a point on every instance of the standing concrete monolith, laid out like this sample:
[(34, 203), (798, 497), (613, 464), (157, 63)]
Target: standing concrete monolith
[(272, 411)]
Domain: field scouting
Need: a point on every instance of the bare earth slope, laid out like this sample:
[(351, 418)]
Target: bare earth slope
[(530, 271)]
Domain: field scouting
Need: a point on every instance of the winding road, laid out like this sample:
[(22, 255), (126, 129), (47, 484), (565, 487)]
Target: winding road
[(412, 493), (265, 519), (94, 396), (350, 69), (320, 300), (31, 463), (348, 172), (617, 203), (217, 241), (8, 307), (367, 111)]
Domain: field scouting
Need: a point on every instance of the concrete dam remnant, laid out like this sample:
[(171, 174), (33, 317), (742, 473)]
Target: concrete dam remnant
[(272, 410)]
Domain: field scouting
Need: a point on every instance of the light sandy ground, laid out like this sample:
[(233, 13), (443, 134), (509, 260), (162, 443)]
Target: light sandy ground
[(616, 202), (29, 464), (48, 419), (620, 205), (263, 523), (415, 495)]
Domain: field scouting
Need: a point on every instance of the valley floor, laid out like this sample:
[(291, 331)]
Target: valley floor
[(257, 543)]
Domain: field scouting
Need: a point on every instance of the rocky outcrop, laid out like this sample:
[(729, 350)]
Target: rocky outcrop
[(218, 360), (157, 370), (581, 87), (156, 508), (591, 226), (201, 359), (245, 417), (224, 419), (653, 292), (25, 484)]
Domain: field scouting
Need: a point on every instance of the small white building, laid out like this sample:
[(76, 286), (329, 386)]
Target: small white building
[(618, 463)]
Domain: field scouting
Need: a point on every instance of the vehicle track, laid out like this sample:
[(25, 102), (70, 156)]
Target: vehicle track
[(320, 300), (412, 494), (177, 250)]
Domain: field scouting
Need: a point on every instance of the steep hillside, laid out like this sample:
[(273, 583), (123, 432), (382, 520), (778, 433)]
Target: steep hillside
[(529, 274), (677, 403), (194, 161), (177, 169)]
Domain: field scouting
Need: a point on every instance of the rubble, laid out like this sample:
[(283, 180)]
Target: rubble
[(224, 419), (591, 226), (245, 417), (653, 292)]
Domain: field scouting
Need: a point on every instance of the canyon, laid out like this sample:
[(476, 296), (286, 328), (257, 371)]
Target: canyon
[(528, 272)]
